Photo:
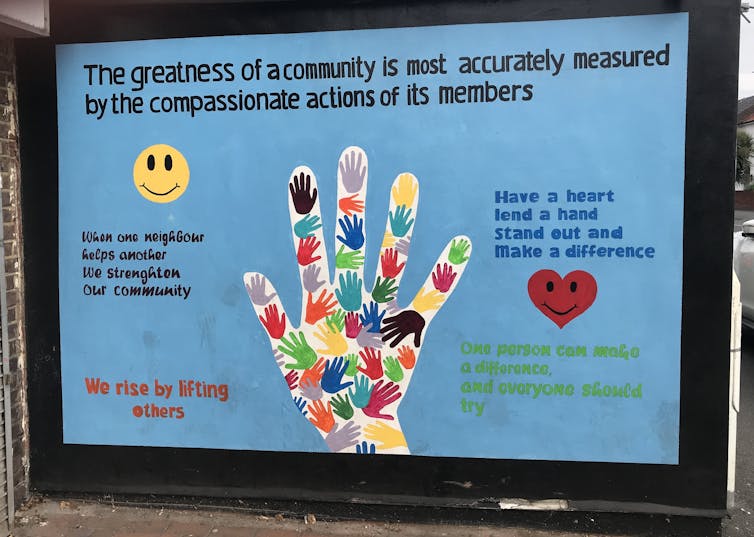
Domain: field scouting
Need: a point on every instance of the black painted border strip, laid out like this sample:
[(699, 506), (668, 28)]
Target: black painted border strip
[(698, 482)]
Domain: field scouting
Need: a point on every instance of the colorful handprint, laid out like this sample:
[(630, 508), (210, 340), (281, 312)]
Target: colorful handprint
[(350, 362)]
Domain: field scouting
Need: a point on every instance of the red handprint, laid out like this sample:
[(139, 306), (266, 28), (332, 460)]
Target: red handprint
[(373, 361), (307, 247), (292, 379), (351, 204), (353, 325), (380, 398), (407, 357), (390, 266), (273, 322), (314, 374), (321, 308), (322, 417), (443, 277)]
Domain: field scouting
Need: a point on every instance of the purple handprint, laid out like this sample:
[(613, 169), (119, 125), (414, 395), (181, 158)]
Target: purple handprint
[(339, 439), (366, 338), (310, 278), (310, 389), (392, 306), (256, 290), (403, 245), (352, 173)]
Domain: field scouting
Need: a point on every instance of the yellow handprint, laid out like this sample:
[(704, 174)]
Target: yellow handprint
[(390, 437), (335, 343), (428, 301), (388, 241), (405, 191)]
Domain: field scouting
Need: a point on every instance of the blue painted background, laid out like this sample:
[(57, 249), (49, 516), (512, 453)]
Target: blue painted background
[(618, 129)]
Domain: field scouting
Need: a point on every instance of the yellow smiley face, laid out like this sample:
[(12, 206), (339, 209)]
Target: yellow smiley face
[(161, 173)]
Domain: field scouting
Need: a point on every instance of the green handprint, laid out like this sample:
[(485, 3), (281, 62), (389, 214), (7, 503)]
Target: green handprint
[(349, 294), (393, 369), (342, 407), (353, 363), (337, 321), (399, 221), (348, 260), (457, 253), (384, 290), (306, 226), (299, 350)]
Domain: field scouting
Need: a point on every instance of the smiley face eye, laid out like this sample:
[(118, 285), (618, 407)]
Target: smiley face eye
[(168, 162), (550, 287), (573, 287), (150, 162)]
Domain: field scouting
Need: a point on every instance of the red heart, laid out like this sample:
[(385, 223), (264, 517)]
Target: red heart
[(562, 299)]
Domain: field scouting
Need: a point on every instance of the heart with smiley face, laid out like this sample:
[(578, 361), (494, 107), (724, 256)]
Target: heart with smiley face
[(562, 299)]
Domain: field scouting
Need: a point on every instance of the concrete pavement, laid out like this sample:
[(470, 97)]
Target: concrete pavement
[(58, 518), (53, 517)]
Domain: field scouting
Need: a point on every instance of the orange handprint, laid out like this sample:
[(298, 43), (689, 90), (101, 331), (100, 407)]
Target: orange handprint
[(314, 373), (406, 357), (351, 204), (321, 417), (324, 306)]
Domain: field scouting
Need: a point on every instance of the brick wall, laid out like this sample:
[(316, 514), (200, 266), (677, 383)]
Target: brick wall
[(12, 245), (744, 200)]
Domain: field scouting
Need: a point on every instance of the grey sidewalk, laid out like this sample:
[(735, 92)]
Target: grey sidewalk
[(73, 518), (52, 518)]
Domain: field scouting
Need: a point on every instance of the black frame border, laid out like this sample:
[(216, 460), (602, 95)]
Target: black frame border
[(697, 483)]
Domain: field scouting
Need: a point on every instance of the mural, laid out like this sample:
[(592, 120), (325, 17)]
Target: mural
[(354, 326), (208, 186)]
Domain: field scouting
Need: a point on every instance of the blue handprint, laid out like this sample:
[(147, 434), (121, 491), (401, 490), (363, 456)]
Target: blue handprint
[(306, 226), (353, 233), (399, 221), (300, 403), (349, 294), (365, 449), (360, 398), (372, 317), (332, 379)]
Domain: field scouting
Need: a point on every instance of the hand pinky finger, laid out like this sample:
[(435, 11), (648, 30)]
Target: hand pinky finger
[(444, 277)]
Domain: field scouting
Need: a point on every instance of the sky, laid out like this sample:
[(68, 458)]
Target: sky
[(746, 58)]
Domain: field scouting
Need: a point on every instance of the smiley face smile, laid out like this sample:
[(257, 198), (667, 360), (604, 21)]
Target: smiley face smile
[(145, 187), (566, 312)]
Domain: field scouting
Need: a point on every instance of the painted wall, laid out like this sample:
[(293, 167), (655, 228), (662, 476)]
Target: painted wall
[(536, 301)]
